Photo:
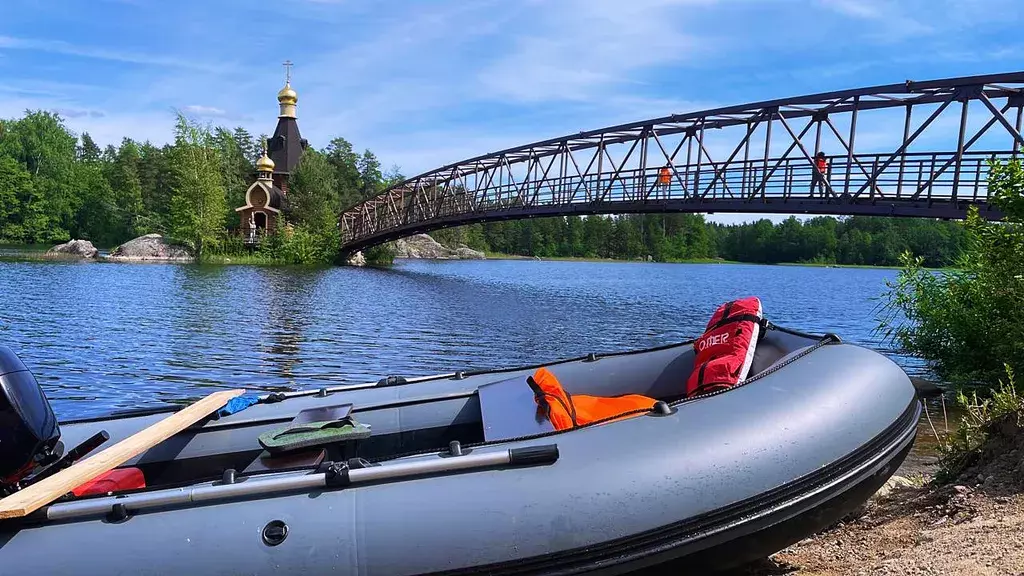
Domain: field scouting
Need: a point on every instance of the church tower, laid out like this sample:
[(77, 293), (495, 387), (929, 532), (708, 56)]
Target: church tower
[(286, 145)]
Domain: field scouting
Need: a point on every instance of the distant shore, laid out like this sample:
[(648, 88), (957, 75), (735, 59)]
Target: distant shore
[(37, 252)]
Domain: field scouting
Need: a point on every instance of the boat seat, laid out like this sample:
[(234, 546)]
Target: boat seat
[(509, 410)]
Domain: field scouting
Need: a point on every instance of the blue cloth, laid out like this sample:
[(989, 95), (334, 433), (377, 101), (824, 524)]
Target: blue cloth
[(238, 403)]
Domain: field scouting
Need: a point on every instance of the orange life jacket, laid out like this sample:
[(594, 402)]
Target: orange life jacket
[(725, 351), (566, 411), (664, 176)]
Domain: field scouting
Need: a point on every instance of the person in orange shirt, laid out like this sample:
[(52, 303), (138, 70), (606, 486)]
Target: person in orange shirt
[(820, 173), (664, 177)]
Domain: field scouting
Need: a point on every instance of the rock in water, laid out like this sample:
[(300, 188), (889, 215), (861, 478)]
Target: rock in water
[(466, 253), (356, 259), (81, 248), (150, 247), (425, 247)]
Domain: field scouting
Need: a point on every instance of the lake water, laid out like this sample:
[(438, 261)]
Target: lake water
[(103, 336)]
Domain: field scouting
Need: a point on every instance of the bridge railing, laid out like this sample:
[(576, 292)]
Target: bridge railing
[(912, 177)]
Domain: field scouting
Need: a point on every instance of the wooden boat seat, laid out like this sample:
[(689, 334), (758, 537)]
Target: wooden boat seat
[(508, 410)]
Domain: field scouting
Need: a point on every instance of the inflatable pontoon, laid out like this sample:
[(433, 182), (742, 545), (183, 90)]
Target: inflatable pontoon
[(460, 474)]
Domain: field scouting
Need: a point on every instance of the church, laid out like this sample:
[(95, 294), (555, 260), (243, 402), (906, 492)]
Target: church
[(267, 198)]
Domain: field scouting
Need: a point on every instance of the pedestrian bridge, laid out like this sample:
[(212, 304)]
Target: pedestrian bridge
[(918, 149)]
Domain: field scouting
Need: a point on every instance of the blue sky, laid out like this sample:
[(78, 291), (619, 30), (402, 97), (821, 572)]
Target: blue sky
[(430, 82)]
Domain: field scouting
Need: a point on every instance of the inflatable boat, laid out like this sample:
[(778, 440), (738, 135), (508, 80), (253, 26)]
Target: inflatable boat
[(460, 474)]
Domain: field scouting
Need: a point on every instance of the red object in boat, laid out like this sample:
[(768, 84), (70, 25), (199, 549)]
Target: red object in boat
[(113, 481)]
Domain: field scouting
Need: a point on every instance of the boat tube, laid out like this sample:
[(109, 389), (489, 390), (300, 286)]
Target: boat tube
[(458, 474)]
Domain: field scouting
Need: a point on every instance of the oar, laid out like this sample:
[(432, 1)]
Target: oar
[(30, 499)]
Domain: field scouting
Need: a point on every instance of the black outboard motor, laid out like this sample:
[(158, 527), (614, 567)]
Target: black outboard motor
[(29, 433)]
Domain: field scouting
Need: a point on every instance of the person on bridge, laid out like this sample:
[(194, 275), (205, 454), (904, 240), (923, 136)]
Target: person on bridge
[(664, 177), (820, 174)]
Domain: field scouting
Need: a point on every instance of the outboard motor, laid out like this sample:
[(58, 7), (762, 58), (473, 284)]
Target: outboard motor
[(29, 434)]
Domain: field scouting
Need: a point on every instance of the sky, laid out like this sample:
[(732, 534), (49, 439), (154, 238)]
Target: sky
[(430, 82)]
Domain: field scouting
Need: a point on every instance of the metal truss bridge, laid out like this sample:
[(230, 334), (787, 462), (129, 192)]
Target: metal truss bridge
[(916, 149)]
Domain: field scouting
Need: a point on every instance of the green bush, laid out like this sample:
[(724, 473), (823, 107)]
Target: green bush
[(380, 255), (968, 322)]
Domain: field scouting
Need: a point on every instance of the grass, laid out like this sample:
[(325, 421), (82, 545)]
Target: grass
[(962, 447)]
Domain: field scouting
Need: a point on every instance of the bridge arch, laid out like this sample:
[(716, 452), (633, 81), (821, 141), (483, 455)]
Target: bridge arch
[(917, 149)]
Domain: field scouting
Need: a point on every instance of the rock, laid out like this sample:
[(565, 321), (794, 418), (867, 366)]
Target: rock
[(150, 247), (890, 485), (425, 247), (356, 259), (467, 253), (81, 248)]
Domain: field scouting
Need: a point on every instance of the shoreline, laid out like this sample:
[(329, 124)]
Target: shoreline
[(29, 253)]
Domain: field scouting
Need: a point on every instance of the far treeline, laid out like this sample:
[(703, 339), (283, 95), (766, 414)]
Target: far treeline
[(55, 186), (688, 237)]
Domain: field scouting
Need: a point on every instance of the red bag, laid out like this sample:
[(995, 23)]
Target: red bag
[(726, 349), (113, 481)]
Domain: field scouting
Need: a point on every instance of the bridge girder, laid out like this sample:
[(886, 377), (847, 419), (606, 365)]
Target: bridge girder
[(550, 178)]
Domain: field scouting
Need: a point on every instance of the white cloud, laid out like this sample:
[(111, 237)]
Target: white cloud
[(580, 49), (69, 49), (200, 110)]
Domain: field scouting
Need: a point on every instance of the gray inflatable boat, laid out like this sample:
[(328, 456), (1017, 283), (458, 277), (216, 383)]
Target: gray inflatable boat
[(456, 473)]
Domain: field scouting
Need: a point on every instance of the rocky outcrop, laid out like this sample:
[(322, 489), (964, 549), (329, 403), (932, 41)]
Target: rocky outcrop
[(74, 248), (356, 259), (425, 247), (151, 247)]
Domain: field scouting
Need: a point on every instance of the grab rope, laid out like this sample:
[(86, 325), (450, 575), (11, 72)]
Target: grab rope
[(825, 340)]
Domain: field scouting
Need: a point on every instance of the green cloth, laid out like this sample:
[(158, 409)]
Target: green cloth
[(307, 434)]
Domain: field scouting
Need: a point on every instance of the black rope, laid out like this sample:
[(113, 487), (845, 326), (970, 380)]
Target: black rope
[(827, 339)]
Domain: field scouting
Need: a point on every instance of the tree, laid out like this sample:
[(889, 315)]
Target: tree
[(88, 151), (127, 190), (345, 161), (22, 213), (44, 146), (236, 170), (313, 198), (197, 191), (369, 175)]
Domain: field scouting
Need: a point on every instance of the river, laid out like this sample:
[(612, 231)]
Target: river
[(102, 337)]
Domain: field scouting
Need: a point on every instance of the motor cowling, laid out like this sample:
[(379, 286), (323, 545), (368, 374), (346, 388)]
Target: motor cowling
[(29, 433)]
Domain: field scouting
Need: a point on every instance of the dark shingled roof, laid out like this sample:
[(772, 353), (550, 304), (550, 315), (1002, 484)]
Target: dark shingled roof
[(286, 146), (276, 197)]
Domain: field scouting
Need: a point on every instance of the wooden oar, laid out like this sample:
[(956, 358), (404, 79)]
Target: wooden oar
[(27, 501)]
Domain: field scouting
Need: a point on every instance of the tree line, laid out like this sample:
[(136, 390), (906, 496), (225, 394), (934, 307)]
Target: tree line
[(681, 237), (56, 185)]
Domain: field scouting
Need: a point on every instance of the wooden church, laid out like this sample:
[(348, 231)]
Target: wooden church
[(266, 200)]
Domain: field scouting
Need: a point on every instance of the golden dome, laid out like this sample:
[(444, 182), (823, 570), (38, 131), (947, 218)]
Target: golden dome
[(264, 164), (287, 95)]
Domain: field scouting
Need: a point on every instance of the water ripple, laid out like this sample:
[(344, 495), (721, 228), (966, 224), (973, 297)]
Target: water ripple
[(102, 337)]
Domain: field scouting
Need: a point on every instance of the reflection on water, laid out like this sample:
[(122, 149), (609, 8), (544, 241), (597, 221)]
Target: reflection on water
[(105, 336)]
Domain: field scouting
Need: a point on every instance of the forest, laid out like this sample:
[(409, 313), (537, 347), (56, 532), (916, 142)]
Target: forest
[(56, 185), (687, 237)]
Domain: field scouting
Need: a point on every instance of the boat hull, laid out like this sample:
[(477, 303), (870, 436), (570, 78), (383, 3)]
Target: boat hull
[(720, 480)]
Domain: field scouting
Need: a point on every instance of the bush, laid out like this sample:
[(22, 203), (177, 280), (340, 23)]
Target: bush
[(968, 323), (982, 417), (381, 254)]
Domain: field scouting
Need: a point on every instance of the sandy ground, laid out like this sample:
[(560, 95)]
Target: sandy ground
[(974, 526), (913, 531)]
